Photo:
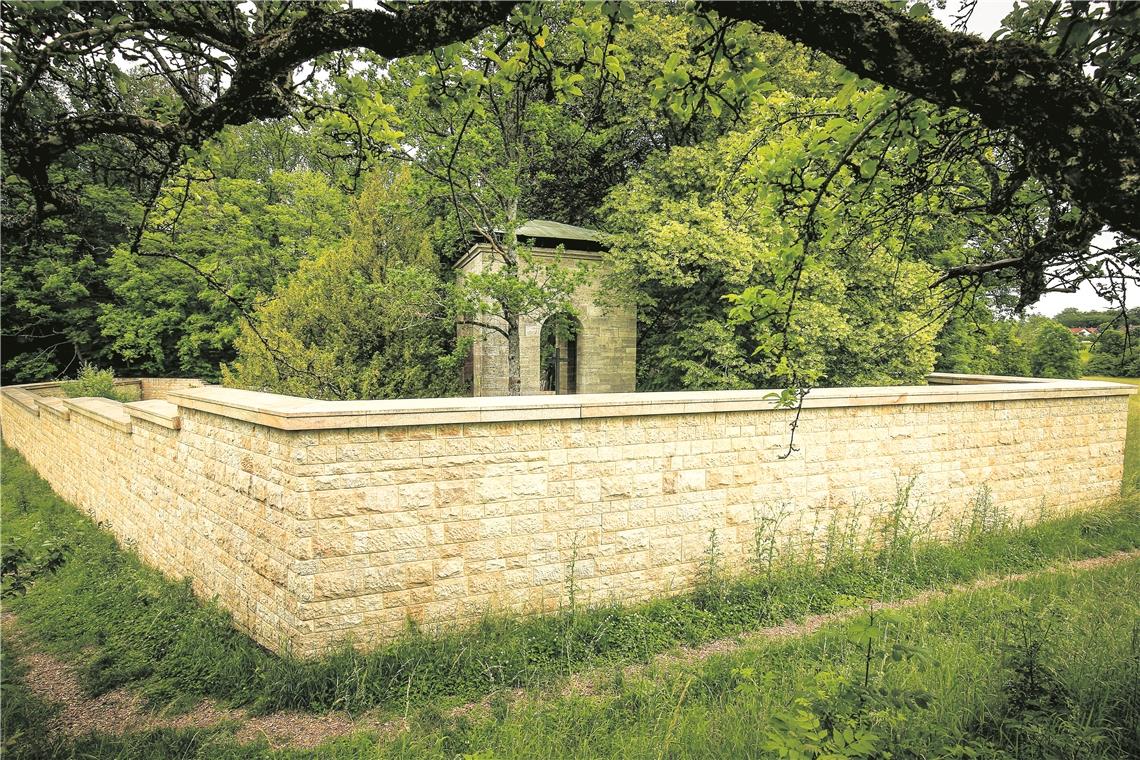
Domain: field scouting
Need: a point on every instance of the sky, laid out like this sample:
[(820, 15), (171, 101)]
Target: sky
[(985, 21)]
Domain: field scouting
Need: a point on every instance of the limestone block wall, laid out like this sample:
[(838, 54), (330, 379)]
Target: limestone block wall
[(162, 387), (145, 388), (176, 486), (317, 521)]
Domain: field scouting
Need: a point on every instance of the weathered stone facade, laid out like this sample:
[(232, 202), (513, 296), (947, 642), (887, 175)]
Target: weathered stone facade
[(606, 343), (315, 521)]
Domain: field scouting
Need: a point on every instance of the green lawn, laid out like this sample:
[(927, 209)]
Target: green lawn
[(1132, 446)]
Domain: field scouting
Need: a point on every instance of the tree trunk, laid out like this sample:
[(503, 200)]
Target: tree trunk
[(511, 266), (514, 364)]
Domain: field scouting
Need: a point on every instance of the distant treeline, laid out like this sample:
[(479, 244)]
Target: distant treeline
[(1108, 317), (976, 341)]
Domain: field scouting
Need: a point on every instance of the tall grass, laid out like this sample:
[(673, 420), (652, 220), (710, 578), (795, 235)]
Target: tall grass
[(128, 626), (1041, 668), (962, 689)]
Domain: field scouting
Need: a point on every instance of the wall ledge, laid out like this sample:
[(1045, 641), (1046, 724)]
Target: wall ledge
[(295, 413), (54, 406), (157, 411), (24, 398), (102, 410), (300, 414)]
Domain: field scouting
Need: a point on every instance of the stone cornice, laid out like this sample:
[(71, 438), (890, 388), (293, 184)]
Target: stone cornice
[(294, 413)]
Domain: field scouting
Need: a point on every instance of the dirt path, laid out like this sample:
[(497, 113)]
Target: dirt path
[(122, 711), (813, 623)]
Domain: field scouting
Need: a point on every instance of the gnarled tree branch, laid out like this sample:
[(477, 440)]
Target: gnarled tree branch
[(1073, 133)]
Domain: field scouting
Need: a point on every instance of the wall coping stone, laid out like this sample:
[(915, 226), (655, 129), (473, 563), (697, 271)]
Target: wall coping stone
[(24, 398), (54, 406), (101, 410), (158, 411), (295, 413), (566, 253)]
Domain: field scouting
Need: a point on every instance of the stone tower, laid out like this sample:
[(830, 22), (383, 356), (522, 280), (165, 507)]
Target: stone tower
[(597, 355)]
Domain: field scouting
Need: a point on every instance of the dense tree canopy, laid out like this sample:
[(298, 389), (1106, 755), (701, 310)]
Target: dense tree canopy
[(1114, 353), (392, 335), (1054, 352), (779, 216), (711, 247), (1099, 318)]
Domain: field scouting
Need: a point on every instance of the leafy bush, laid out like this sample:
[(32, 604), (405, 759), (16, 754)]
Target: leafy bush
[(369, 318), (93, 381), (1114, 355)]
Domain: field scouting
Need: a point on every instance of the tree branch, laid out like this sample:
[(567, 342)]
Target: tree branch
[(1073, 133)]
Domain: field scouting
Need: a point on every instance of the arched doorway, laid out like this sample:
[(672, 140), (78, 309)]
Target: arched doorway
[(558, 358)]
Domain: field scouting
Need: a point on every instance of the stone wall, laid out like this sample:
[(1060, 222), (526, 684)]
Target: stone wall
[(316, 521), (174, 485), (144, 388)]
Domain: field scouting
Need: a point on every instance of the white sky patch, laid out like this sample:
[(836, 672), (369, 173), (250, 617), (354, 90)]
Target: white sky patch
[(984, 21)]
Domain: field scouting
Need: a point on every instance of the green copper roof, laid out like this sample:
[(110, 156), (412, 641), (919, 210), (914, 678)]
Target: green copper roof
[(544, 228)]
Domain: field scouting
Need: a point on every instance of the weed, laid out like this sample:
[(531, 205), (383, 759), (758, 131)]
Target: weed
[(22, 502), (842, 541), (985, 517), (572, 576), (900, 528), (765, 539), (1032, 686), (18, 569), (710, 584)]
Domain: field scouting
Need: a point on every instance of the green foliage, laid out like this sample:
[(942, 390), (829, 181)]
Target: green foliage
[(92, 381), (973, 342), (730, 292), (488, 125), (1055, 352), (54, 284), (214, 248), (1101, 318), (821, 202), (239, 217), (367, 318), (1114, 354)]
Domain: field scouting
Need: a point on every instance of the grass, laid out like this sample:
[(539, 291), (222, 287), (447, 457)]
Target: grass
[(1040, 668), (1132, 445), (961, 683)]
